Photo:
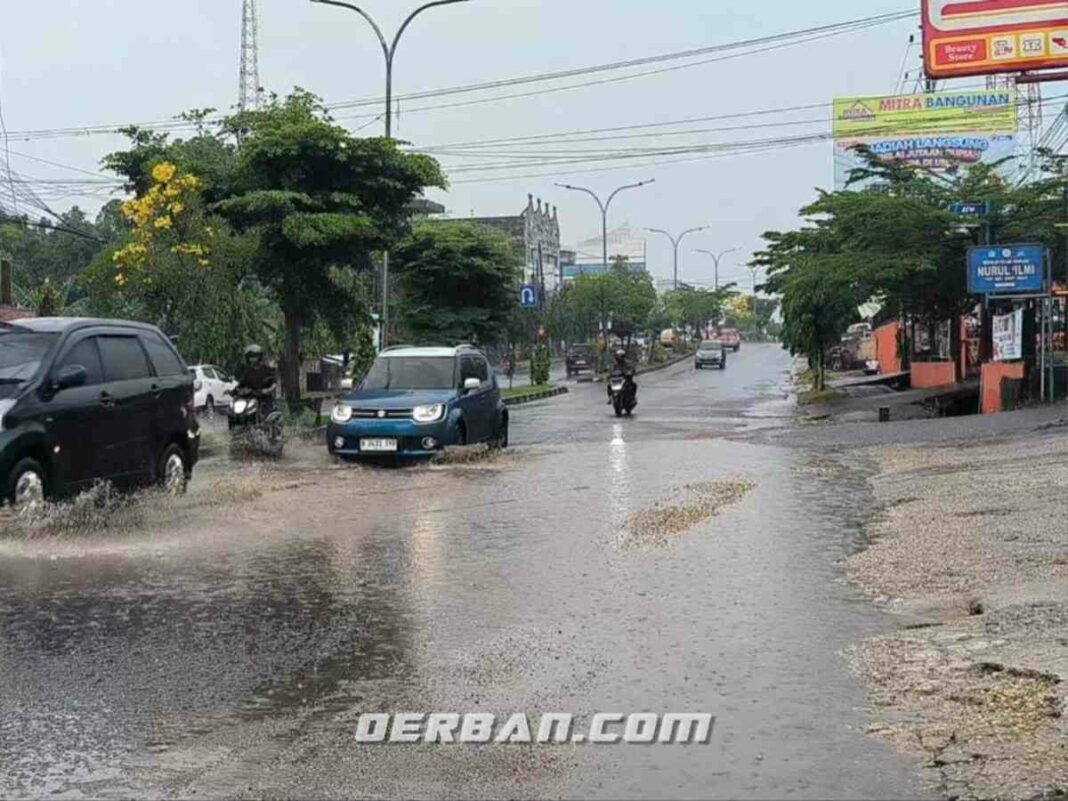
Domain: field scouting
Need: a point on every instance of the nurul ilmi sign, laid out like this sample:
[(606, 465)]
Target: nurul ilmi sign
[(1007, 270)]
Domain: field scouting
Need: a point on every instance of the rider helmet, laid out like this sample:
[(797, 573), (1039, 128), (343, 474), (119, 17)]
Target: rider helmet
[(253, 354)]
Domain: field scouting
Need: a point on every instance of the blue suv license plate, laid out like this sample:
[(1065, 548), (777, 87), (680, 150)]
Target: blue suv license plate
[(378, 445)]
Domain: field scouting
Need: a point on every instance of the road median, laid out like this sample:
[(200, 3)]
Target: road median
[(521, 395)]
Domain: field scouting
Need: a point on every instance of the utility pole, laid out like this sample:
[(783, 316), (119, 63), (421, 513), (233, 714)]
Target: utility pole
[(389, 51), (604, 206), (716, 258), (675, 242), (753, 269), (248, 97)]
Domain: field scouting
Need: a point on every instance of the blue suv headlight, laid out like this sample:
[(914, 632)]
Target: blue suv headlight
[(342, 413), (429, 414)]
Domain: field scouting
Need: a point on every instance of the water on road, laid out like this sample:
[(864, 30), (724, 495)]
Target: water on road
[(225, 645)]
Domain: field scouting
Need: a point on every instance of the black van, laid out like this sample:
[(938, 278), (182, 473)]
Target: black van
[(85, 400)]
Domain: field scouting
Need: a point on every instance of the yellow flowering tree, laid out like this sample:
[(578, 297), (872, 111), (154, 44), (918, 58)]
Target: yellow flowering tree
[(740, 312), (166, 222)]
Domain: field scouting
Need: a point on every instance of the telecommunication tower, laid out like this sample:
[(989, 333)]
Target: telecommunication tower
[(249, 89)]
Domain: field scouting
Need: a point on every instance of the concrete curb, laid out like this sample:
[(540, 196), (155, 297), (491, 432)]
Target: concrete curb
[(665, 365), (518, 400)]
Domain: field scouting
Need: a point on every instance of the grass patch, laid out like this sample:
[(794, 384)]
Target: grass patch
[(812, 396), (518, 392)]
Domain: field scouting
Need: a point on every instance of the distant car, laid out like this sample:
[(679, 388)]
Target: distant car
[(580, 358), (710, 352), (731, 338), (416, 401), (212, 387), (84, 400)]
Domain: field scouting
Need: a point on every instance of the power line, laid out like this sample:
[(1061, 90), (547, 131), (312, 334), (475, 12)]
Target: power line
[(780, 40), (881, 19), (24, 221), (739, 149)]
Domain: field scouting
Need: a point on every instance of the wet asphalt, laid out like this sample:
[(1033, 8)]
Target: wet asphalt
[(224, 644)]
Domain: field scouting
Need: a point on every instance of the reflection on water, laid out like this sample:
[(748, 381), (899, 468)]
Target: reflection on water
[(619, 470), (426, 544)]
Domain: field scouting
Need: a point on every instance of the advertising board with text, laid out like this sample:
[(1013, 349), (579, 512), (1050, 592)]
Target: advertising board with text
[(982, 37), (942, 154), (1007, 336), (940, 132), (974, 111)]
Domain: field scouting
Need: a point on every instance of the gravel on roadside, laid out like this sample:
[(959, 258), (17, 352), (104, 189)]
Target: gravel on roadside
[(970, 543)]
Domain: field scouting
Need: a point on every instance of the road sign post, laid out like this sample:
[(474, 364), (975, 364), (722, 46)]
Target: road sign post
[(528, 296), (1007, 270), (969, 209)]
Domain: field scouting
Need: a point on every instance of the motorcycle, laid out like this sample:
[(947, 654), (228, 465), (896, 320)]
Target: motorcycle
[(624, 393), (255, 424)]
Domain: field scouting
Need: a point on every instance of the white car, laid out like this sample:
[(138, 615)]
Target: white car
[(210, 385)]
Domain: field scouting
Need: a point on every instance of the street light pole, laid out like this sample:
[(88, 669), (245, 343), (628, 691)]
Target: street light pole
[(676, 241), (716, 258), (604, 206), (389, 50)]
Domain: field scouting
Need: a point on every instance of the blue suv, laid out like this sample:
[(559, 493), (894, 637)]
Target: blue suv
[(416, 401)]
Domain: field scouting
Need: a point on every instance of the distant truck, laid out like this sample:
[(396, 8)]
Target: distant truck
[(858, 349)]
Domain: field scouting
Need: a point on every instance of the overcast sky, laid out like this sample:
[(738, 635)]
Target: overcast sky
[(68, 63)]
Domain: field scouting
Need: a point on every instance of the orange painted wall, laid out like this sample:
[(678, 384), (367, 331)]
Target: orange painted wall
[(886, 348), (990, 383), (925, 375)]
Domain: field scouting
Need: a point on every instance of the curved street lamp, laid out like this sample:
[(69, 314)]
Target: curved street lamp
[(716, 257), (676, 241), (389, 50), (604, 205)]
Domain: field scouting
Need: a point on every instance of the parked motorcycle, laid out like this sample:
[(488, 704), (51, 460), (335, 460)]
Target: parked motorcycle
[(255, 424), (623, 392)]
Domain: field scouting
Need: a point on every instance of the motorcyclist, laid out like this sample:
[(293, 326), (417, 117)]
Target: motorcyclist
[(623, 367), (257, 377)]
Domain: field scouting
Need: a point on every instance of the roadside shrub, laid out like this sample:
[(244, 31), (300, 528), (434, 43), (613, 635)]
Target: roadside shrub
[(540, 365)]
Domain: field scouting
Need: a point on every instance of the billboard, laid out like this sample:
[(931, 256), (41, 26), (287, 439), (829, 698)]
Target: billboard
[(939, 131), (1007, 269), (978, 111), (980, 37), (944, 153)]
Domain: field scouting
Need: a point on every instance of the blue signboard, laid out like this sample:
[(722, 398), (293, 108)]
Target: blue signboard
[(1007, 270), (968, 209), (528, 296)]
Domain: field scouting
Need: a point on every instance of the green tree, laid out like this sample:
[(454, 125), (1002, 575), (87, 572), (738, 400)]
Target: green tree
[(695, 309), (320, 202), (49, 299), (49, 248), (458, 282)]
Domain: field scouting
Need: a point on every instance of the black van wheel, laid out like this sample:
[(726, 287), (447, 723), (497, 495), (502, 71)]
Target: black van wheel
[(501, 442), (26, 485), (171, 472)]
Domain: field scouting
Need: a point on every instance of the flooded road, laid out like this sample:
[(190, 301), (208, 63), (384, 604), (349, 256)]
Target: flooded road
[(224, 645)]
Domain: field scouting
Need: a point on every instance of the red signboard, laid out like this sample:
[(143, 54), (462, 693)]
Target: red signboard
[(980, 37)]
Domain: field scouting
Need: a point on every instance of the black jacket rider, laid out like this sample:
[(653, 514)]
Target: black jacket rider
[(624, 368)]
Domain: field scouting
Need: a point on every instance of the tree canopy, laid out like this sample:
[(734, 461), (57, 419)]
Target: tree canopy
[(897, 241), (320, 202), (457, 281)]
